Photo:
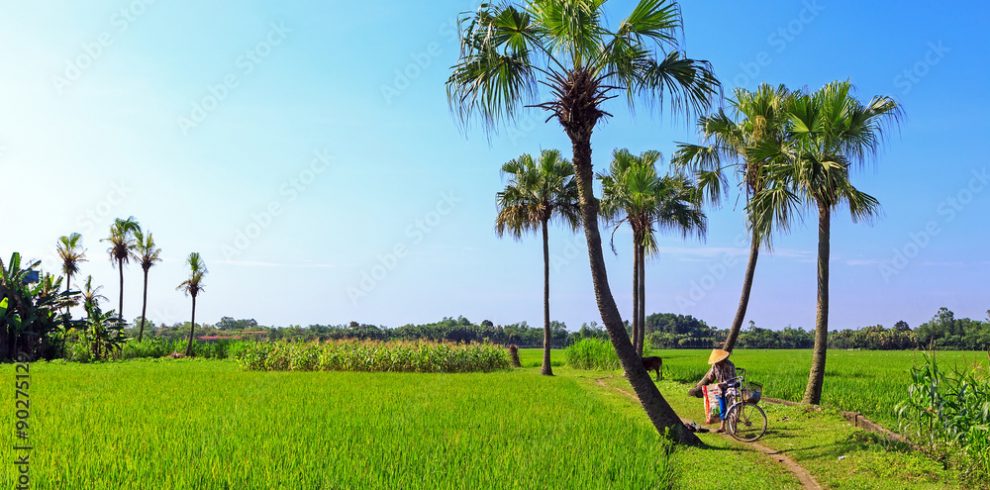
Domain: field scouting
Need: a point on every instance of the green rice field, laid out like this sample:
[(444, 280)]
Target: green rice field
[(129, 424), (211, 424)]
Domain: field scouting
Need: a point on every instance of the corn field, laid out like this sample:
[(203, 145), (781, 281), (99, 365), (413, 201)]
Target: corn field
[(373, 356)]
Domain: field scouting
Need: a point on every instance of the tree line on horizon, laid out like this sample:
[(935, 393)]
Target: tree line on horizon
[(662, 330)]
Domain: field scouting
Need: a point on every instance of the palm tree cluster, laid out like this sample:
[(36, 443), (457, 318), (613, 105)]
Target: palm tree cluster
[(127, 242), (634, 193), (788, 147), (793, 149)]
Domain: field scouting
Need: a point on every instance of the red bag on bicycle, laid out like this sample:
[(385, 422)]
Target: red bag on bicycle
[(711, 393)]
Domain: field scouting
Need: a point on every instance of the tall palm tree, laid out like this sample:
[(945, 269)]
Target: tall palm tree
[(509, 48), (634, 193), (537, 192), (192, 287), (71, 252), (121, 244), (147, 254), (831, 131), (757, 120)]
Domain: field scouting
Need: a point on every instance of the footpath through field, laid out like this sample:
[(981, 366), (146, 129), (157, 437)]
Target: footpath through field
[(819, 447)]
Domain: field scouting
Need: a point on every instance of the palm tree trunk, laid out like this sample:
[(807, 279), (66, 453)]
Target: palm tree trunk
[(635, 311), (657, 409), (144, 305), (192, 328), (754, 253), (816, 377), (642, 299), (68, 279), (120, 307), (547, 339)]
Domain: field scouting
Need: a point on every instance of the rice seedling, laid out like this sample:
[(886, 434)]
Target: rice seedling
[(210, 424)]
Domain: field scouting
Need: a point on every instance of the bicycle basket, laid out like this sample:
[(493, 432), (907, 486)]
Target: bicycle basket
[(753, 392)]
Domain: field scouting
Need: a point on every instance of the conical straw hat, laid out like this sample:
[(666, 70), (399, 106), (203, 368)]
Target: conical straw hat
[(718, 355)]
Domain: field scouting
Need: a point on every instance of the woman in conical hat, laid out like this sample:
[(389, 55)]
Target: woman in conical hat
[(722, 370)]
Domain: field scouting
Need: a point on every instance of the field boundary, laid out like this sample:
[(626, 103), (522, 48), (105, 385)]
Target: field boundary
[(857, 420), (799, 472)]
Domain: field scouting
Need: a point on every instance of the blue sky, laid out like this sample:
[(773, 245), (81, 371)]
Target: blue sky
[(307, 151)]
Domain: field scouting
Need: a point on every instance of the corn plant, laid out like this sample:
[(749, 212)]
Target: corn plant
[(592, 354), (373, 356), (949, 414)]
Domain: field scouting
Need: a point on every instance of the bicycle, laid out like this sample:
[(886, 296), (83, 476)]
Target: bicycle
[(745, 420)]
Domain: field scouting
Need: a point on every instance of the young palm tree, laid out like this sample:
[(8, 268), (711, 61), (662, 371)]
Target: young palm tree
[(71, 252), (148, 254), (758, 120), (121, 244), (537, 192), (509, 48), (192, 287), (830, 131), (90, 295), (634, 193)]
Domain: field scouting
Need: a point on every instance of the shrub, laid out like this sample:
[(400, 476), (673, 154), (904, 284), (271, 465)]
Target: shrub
[(592, 353), (948, 413), (366, 355)]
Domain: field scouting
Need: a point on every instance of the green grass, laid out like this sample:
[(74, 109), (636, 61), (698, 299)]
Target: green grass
[(870, 382), (837, 454), (211, 424)]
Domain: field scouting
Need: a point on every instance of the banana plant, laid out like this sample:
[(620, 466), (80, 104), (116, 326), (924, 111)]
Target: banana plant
[(30, 311)]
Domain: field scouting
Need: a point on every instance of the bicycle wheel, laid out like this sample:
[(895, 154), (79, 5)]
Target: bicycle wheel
[(746, 422)]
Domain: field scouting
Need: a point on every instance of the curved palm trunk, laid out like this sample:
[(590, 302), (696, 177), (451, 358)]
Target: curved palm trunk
[(547, 338), (657, 409), (192, 328), (816, 377), (120, 306), (144, 305), (636, 298), (754, 254), (642, 299)]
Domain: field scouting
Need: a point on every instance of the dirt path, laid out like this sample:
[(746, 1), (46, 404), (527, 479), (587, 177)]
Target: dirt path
[(807, 481)]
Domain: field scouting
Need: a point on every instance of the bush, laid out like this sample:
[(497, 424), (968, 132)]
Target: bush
[(77, 349), (367, 355), (592, 354), (949, 415)]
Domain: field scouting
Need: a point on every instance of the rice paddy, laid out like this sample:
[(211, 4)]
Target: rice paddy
[(212, 424)]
